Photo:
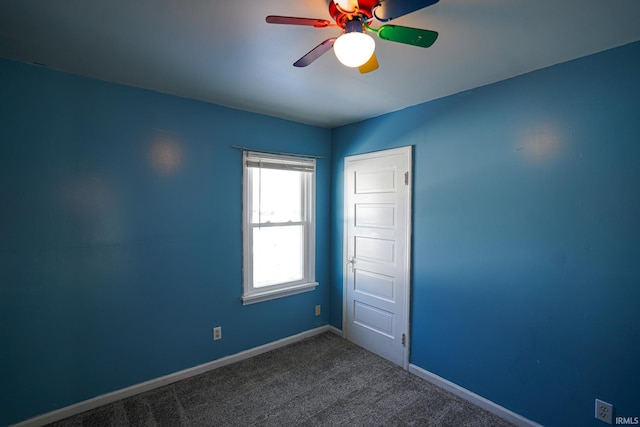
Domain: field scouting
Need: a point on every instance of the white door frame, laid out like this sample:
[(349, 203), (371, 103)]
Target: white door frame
[(408, 151)]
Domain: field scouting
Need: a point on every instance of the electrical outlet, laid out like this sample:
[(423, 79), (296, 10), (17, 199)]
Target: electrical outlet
[(217, 333), (317, 310), (604, 411)]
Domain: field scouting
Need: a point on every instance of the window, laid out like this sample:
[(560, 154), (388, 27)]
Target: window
[(278, 226)]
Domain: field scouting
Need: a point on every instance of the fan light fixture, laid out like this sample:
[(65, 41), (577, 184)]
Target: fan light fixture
[(354, 48)]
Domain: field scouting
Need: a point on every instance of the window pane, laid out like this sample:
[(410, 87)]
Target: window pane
[(277, 255), (276, 195)]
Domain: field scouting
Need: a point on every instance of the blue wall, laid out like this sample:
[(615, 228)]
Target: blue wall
[(526, 273), (120, 236)]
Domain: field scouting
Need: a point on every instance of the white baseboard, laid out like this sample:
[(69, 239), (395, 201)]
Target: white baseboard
[(114, 396), (470, 396), (336, 331)]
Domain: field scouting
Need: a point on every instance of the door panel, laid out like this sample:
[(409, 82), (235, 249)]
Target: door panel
[(375, 215), (375, 285), (377, 248), (376, 181), (374, 318)]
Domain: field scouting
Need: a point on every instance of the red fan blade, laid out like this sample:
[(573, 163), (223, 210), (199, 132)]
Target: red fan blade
[(315, 53), (292, 20)]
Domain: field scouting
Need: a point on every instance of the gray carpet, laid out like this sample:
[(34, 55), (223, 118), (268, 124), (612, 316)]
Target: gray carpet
[(322, 381)]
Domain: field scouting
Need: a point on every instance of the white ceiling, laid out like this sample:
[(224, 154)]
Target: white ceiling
[(225, 53)]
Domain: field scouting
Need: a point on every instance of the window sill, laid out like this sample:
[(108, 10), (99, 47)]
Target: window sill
[(278, 293)]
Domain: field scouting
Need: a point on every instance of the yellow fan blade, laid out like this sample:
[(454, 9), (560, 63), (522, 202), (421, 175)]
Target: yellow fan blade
[(370, 65)]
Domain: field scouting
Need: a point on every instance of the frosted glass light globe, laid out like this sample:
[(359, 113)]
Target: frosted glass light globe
[(354, 49)]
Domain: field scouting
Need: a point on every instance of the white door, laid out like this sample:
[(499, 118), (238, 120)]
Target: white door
[(377, 247)]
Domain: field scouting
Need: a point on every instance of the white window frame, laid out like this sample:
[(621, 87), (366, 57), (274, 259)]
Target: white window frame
[(252, 162)]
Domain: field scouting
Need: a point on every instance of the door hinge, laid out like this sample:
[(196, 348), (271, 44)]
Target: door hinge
[(406, 178), (404, 339)]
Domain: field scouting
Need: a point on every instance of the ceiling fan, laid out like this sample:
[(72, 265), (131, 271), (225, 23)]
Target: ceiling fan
[(354, 47)]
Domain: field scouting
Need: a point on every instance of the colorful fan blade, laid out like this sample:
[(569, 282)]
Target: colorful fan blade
[(315, 53), (407, 35), (370, 65), (392, 9), (292, 20)]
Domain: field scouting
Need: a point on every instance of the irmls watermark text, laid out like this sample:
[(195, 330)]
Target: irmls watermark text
[(627, 420)]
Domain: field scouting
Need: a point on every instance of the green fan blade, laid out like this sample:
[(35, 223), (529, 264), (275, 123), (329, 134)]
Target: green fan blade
[(407, 35)]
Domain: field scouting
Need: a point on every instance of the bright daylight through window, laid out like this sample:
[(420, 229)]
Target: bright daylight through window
[(278, 226)]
